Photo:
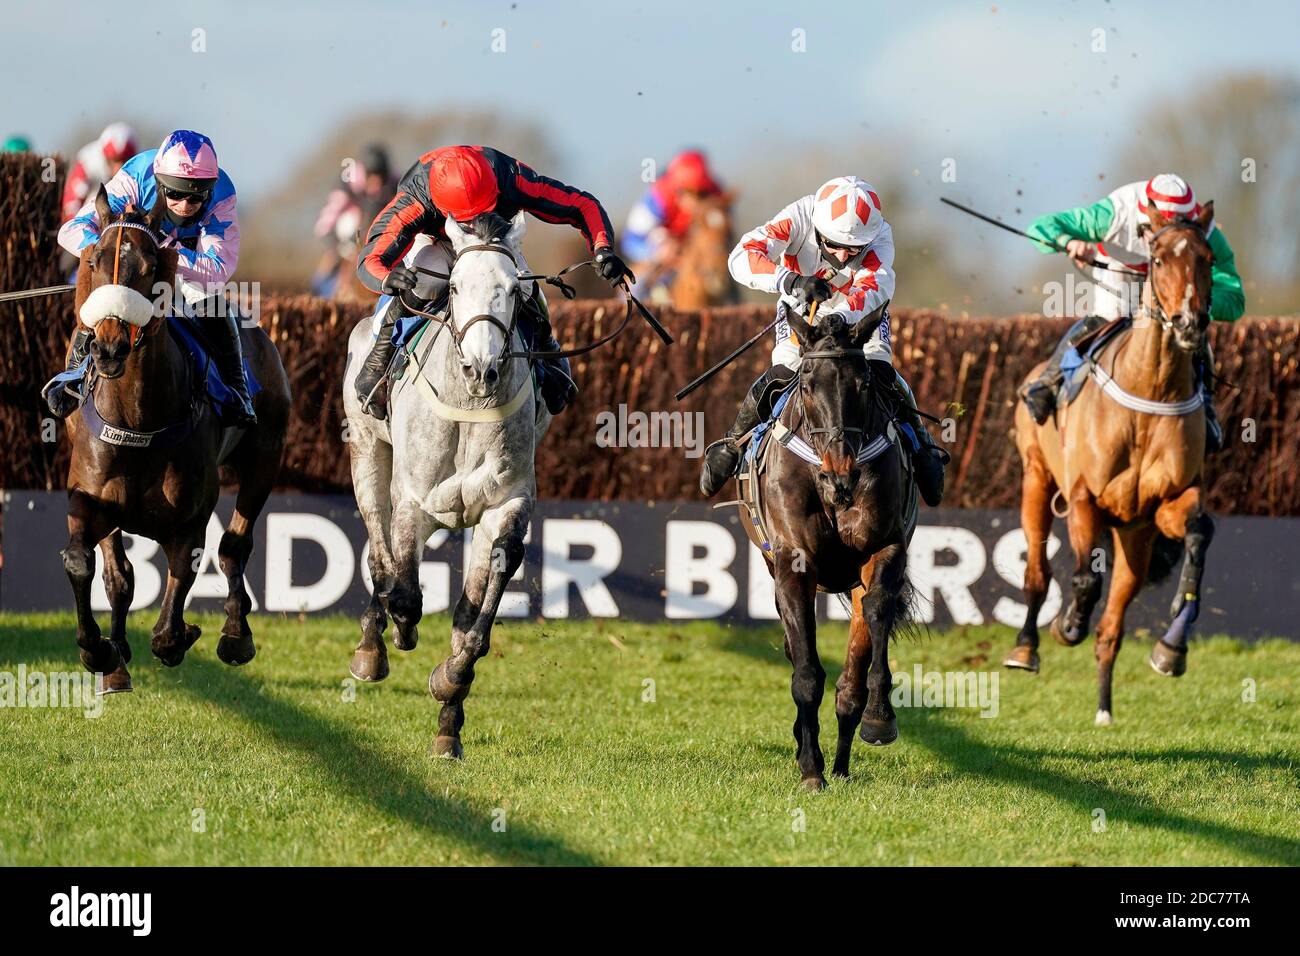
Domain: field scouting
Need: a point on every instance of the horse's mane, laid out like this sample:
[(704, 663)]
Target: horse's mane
[(490, 227)]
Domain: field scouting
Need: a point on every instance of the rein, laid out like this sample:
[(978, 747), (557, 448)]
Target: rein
[(791, 440)]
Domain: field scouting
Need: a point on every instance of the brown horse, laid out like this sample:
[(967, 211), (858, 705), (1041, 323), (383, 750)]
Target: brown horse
[(151, 467), (839, 507), (1136, 472), (699, 268)]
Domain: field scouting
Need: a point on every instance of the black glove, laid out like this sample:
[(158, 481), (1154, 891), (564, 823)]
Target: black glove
[(807, 288), (611, 268), (399, 280)]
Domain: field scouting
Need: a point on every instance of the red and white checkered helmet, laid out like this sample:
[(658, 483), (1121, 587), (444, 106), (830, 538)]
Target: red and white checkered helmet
[(118, 143), (846, 211), (1170, 195)]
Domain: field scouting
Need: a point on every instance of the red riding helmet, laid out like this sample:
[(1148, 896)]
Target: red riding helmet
[(461, 182), (689, 172)]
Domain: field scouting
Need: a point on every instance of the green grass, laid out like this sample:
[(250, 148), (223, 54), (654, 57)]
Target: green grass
[(286, 771)]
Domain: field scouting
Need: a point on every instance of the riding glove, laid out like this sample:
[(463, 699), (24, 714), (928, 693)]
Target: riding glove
[(399, 280)]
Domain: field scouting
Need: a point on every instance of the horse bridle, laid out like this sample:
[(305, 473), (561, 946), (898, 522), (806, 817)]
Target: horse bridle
[(444, 320), (838, 432), (1158, 313), (134, 336)]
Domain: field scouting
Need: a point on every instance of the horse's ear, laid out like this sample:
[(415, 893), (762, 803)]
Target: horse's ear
[(1158, 219), (103, 210), (1205, 218), (518, 226), (866, 327), (455, 233), (802, 330), (155, 217)]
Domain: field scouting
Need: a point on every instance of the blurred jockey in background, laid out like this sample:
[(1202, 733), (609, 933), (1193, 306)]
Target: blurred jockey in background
[(661, 218), (97, 162), (368, 186), (465, 183), (832, 247), (200, 223)]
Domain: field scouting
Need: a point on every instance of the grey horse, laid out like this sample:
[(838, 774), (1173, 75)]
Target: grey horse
[(456, 452)]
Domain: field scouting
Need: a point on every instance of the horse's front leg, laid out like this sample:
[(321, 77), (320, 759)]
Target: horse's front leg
[(172, 637), (498, 551), (796, 602), (1071, 626), (1036, 490), (1132, 558), (880, 608), (412, 526), (1183, 517), (86, 527), (119, 584)]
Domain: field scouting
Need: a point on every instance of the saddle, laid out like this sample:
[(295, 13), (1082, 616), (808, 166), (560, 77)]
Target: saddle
[(1079, 358), (760, 444)]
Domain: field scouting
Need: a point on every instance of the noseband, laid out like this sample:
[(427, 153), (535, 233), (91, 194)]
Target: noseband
[(134, 335)]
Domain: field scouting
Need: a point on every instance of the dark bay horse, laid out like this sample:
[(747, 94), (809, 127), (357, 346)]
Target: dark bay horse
[(151, 467), (1127, 456), (841, 525)]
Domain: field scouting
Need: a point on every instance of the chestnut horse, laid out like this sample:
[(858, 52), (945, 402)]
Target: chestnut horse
[(840, 525), (1128, 454), (697, 276), (149, 464)]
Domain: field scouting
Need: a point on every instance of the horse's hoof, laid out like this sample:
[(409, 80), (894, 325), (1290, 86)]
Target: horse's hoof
[(814, 784), (236, 650), (448, 748), (118, 682), (1169, 661), (442, 689), (404, 641), (1022, 657), (172, 654), (370, 666), (1062, 637), (1104, 719), (879, 732)]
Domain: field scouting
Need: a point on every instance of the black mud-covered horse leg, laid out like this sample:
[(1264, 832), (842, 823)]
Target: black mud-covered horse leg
[(1169, 656), (880, 607), (796, 602), (119, 585)]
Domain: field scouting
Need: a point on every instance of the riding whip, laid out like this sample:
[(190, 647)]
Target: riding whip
[(34, 293)]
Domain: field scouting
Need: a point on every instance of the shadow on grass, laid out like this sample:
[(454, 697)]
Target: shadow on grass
[(347, 764), (1022, 768)]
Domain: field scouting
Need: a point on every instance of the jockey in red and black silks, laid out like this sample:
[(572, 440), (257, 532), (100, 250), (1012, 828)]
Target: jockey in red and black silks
[(463, 183)]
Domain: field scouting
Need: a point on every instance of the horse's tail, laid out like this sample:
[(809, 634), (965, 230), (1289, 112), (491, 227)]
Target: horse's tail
[(1165, 554)]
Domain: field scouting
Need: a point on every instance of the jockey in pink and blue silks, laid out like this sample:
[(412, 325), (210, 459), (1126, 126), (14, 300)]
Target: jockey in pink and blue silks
[(201, 224)]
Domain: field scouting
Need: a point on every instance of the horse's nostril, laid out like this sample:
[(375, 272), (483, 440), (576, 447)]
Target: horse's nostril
[(491, 376), (467, 371)]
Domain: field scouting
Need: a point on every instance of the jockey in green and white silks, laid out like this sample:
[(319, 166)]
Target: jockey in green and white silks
[(833, 247), (1111, 231)]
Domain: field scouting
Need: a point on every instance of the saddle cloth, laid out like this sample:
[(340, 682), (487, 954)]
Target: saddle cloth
[(1075, 365)]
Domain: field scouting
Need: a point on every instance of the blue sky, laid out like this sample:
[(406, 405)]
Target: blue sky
[(1013, 91)]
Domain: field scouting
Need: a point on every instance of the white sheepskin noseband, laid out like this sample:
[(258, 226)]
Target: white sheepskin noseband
[(116, 302)]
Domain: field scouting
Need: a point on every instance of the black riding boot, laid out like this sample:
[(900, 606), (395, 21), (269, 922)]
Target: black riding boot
[(61, 401), (1204, 364), (1040, 395), (929, 460), (372, 386), (222, 332), (722, 457), (558, 388)]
